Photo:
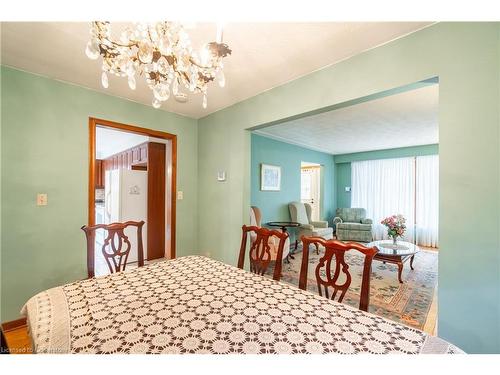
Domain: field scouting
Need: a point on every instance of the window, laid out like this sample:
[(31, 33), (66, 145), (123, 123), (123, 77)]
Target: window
[(407, 186)]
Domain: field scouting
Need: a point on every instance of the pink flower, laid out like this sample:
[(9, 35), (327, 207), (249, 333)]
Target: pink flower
[(395, 225)]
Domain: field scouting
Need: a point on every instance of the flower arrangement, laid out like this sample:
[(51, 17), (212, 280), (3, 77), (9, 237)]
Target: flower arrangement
[(396, 226)]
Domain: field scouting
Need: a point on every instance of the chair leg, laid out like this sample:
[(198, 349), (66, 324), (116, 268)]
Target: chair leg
[(296, 244)]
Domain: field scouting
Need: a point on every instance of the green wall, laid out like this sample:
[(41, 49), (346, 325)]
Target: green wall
[(343, 179), (466, 58), (45, 150), (343, 165), (274, 204)]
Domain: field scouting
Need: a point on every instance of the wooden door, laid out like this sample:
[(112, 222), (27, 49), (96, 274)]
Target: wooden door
[(156, 228)]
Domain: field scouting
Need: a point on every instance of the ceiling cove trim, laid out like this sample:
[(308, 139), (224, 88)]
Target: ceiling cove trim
[(285, 140), (290, 142)]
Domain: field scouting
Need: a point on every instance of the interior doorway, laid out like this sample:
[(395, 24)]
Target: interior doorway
[(132, 176), (310, 187), (385, 151)]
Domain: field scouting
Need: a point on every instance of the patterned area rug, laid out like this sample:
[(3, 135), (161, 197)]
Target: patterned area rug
[(408, 303)]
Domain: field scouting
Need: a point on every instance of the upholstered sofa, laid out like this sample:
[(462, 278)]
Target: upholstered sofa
[(352, 225), (301, 213)]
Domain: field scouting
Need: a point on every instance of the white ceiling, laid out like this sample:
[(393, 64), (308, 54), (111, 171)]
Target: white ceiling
[(401, 120), (265, 55), (109, 142)]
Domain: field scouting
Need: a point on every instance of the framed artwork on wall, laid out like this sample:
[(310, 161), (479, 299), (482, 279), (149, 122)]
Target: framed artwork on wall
[(270, 177)]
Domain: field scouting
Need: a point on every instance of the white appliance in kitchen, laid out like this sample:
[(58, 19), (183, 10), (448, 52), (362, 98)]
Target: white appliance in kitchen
[(126, 199)]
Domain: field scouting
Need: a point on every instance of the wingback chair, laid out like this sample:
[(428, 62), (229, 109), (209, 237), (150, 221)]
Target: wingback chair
[(301, 213), (255, 220), (352, 225)]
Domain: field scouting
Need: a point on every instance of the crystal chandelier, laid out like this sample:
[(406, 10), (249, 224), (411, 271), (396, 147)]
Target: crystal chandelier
[(162, 53)]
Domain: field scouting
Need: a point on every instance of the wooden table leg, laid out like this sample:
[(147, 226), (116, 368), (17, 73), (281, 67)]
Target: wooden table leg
[(400, 271), (397, 260), (283, 229), (411, 262)]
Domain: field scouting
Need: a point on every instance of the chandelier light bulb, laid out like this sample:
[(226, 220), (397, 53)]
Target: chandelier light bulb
[(221, 78), (92, 50), (204, 56), (162, 65), (145, 52), (162, 53), (104, 80), (126, 36), (131, 82), (164, 45), (220, 31), (161, 92), (175, 87)]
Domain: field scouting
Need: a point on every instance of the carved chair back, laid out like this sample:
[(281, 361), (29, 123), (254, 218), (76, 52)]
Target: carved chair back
[(332, 271), (259, 253), (116, 247)]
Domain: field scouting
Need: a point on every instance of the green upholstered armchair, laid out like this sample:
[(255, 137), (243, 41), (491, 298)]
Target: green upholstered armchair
[(352, 225), (301, 213)]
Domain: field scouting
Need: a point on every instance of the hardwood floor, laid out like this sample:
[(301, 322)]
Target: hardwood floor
[(18, 340)]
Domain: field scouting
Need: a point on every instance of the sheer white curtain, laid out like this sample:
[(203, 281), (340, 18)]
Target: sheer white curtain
[(407, 186), (385, 187), (427, 202)]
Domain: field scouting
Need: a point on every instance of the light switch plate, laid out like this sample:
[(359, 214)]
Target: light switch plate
[(221, 176), (41, 199), (348, 189), (180, 195)]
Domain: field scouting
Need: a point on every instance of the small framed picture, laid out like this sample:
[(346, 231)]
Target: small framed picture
[(270, 177)]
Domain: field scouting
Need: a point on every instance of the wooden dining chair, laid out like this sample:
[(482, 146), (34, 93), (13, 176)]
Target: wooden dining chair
[(334, 260), (116, 247), (256, 220), (260, 250)]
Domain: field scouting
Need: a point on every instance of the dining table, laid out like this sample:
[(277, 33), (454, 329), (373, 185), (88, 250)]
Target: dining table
[(195, 304)]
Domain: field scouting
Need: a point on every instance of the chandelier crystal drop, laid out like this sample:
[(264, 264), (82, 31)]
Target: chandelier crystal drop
[(162, 53)]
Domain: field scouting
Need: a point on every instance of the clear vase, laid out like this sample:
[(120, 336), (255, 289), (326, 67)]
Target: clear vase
[(394, 240)]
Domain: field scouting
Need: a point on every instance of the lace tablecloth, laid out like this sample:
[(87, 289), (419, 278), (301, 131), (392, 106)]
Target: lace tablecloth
[(197, 305)]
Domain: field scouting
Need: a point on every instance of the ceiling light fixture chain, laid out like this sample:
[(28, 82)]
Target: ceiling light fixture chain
[(163, 54)]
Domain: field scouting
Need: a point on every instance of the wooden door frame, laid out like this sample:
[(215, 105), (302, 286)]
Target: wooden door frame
[(93, 124)]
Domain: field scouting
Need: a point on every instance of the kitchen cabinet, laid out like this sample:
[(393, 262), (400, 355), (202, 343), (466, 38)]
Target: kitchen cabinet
[(135, 156), (143, 152), (99, 174)]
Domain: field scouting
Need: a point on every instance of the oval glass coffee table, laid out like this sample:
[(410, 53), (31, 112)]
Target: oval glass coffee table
[(397, 253), (283, 225)]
